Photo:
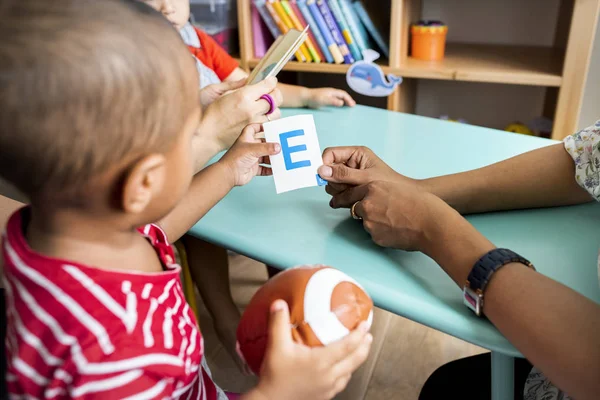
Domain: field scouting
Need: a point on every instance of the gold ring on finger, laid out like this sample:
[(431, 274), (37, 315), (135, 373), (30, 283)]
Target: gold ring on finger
[(353, 211)]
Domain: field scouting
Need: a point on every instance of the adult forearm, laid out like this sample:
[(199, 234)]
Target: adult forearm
[(553, 326), (198, 200), (540, 178)]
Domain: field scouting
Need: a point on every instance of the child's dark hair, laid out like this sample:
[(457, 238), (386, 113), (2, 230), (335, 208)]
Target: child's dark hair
[(85, 86)]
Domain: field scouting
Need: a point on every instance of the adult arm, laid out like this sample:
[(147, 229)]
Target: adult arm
[(540, 178), (553, 326)]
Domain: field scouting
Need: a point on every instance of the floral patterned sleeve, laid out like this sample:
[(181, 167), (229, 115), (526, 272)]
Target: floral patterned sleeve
[(584, 147)]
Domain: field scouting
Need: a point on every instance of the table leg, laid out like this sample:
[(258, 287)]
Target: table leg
[(503, 375)]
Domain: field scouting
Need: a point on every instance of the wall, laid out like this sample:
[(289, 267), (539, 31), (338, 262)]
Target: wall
[(590, 112)]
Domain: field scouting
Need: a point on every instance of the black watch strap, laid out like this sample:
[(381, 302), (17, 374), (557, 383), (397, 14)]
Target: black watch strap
[(482, 272)]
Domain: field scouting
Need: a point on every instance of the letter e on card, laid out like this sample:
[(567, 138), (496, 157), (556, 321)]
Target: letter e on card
[(296, 165)]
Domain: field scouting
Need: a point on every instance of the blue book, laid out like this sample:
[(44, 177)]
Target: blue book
[(364, 17), (266, 17), (335, 31), (336, 10), (315, 29), (330, 42), (358, 30)]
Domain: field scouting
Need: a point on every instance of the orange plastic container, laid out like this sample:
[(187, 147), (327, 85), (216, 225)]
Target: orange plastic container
[(428, 42)]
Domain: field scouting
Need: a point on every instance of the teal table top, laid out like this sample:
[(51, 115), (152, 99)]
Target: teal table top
[(299, 227)]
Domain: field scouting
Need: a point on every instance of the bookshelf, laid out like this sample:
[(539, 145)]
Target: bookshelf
[(561, 69)]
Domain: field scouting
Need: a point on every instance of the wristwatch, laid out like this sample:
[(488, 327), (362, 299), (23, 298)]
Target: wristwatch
[(482, 272)]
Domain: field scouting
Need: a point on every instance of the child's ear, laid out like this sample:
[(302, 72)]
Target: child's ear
[(145, 180)]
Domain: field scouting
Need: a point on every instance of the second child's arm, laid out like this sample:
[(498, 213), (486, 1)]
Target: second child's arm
[(236, 168), (295, 96)]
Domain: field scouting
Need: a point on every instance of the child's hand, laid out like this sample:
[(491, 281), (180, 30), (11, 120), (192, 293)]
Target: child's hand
[(329, 97), (247, 153), (294, 371)]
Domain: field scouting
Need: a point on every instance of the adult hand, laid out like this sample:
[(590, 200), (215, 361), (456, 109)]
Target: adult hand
[(227, 116), (398, 214), (346, 167), (212, 93)]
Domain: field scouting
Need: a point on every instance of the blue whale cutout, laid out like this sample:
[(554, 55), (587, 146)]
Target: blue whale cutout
[(367, 78)]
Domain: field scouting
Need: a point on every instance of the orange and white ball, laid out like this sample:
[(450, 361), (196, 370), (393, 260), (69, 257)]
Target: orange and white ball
[(325, 305)]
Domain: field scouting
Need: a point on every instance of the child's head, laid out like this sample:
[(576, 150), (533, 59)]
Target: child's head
[(98, 106), (176, 11)]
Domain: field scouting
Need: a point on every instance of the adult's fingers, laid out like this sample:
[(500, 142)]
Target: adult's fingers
[(341, 173), (333, 188), (338, 155), (227, 86), (339, 350), (348, 197), (262, 87)]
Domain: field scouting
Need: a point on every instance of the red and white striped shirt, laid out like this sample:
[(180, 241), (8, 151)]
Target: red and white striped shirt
[(80, 332)]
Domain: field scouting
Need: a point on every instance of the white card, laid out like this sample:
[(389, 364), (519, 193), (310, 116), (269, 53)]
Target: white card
[(296, 165)]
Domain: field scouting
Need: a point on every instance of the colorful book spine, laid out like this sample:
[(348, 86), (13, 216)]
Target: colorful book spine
[(266, 17), (288, 22), (334, 6), (298, 25), (358, 30), (327, 36), (364, 17), (282, 27), (314, 28), (294, 6), (335, 31), (260, 34)]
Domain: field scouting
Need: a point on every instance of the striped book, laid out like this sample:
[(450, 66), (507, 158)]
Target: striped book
[(328, 37), (335, 31), (298, 25), (288, 22), (282, 27), (334, 6), (356, 27), (294, 6), (366, 20), (314, 28)]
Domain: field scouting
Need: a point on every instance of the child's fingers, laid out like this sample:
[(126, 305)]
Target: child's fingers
[(264, 171), (340, 349), (355, 359), (260, 150), (251, 132), (280, 334), (346, 98)]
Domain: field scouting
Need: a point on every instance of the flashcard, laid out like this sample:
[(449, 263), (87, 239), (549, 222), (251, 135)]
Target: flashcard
[(296, 165)]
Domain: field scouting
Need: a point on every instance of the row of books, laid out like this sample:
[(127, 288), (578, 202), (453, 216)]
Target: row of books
[(339, 30)]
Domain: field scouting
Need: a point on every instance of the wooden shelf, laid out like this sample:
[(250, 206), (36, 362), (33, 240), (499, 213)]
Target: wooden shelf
[(314, 67), (561, 68), (519, 65)]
